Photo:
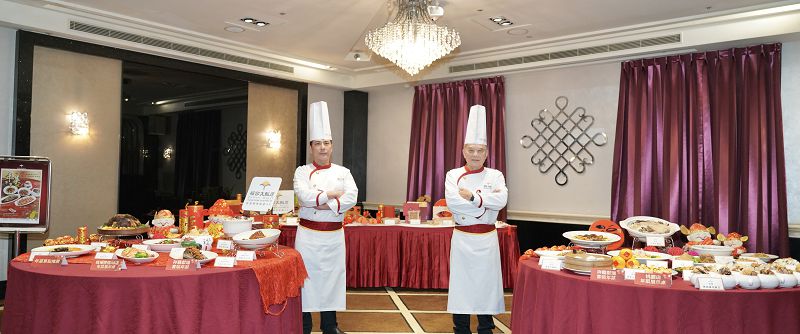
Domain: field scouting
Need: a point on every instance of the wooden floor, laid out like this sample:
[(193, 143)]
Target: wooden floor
[(387, 310)]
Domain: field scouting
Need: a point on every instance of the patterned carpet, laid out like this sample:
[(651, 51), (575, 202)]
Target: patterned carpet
[(403, 311)]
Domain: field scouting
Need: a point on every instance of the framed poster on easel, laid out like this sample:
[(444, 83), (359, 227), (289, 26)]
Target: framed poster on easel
[(24, 195)]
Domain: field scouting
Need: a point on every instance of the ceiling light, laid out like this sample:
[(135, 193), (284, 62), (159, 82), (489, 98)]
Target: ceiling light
[(261, 23), (497, 19), (506, 23), (248, 20), (412, 40)]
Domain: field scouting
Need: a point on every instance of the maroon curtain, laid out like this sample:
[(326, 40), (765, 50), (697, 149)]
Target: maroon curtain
[(437, 131), (700, 140)]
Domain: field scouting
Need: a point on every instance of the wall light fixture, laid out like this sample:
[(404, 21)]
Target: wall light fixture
[(78, 123), (273, 139)]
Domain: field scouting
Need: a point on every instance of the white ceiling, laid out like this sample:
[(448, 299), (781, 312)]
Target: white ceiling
[(325, 31)]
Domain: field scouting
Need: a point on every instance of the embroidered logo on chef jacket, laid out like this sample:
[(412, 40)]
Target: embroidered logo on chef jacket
[(487, 186)]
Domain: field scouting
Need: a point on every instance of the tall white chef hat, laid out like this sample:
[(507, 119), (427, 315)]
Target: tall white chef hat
[(476, 126), (319, 126)]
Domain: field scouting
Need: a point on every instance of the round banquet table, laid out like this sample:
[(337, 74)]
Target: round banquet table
[(548, 301), (141, 299)]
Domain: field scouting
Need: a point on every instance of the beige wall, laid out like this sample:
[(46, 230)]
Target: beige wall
[(269, 108), (85, 169), (790, 96)]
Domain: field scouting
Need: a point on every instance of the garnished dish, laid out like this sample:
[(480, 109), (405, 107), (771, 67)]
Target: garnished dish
[(257, 235), (763, 257), (256, 239), (591, 238), (136, 255), (122, 224), (193, 253), (69, 250), (644, 226), (162, 245)]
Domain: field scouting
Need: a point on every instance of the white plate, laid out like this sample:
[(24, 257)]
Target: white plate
[(767, 259), (548, 253), (579, 272), (208, 254), (84, 249), (625, 224), (138, 260), (155, 244), (243, 239), (712, 250), (610, 238), (658, 256)]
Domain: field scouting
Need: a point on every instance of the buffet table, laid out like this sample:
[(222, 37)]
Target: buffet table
[(150, 299), (408, 256), (559, 302)]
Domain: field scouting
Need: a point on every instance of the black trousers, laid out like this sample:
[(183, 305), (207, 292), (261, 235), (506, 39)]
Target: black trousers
[(327, 322), (461, 322)]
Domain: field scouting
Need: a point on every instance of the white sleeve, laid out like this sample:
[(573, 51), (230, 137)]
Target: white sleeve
[(348, 198), (306, 196), (455, 202), (497, 198)]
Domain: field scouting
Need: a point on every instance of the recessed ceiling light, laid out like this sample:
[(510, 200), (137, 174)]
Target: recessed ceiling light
[(127, 99), (261, 23), (517, 31), (506, 23), (497, 19), (234, 29), (248, 20)]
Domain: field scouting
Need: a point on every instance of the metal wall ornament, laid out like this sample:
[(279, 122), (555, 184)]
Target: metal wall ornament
[(236, 151), (562, 140)]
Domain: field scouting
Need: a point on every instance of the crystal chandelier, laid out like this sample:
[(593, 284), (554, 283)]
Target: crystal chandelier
[(412, 40)]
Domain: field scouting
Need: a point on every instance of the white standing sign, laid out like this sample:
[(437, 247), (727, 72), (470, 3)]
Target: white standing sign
[(284, 202), (261, 194)]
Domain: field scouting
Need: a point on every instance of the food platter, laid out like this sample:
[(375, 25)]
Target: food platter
[(208, 254), (243, 239), (712, 250), (555, 254), (152, 256), (74, 249), (766, 258), (158, 245), (591, 238), (644, 256), (126, 231), (645, 226)]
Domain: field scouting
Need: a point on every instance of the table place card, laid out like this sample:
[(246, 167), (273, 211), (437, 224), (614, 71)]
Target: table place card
[(35, 254), (98, 245), (49, 261), (606, 275), (414, 221), (551, 263), (653, 279), (682, 263), (390, 221), (655, 241), (658, 264), (291, 220), (225, 261), (183, 264), (107, 264), (687, 275), (225, 244), (448, 222), (245, 255), (142, 247), (105, 256), (176, 252), (710, 283), (720, 259), (630, 274)]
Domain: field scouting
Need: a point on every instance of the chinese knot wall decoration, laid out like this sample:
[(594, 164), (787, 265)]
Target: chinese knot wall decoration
[(562, 141)]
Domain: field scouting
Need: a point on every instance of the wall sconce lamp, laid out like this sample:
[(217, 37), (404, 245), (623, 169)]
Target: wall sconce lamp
[(168, 152), (78, 123), (273, 139)]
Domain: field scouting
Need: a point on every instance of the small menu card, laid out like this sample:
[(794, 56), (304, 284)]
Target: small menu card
[(245, 255), (98, 245), (390, 221), (107, 265), (655, 241), (658, 264), (653, 279), (261, 194), (630, 274), (682, 263), (414, 221), (550, 263), (142, 247), (49, 261), (176, 252), (606, 275), (225, 244), (710, 283), (182, 264), (105, 256), (225, 261), (291, 220), (35, 254)]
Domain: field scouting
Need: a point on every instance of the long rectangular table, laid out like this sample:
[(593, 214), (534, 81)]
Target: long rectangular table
[(408, 256)]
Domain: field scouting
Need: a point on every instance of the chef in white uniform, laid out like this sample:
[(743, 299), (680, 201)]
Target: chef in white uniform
[(475, 194), (325, 191)]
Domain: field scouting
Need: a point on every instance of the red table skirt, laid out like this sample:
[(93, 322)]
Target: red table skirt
[(408, 257), (141, 299), (560, 302)]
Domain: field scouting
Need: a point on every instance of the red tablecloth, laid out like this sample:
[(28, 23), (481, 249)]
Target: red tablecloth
[(560, 302), (408, 257), (141, 299)]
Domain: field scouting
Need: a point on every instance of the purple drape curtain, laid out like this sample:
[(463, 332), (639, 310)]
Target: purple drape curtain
[(440, 113), (700, 140)]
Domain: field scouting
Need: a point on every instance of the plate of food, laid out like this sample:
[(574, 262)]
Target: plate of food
[(644, 256), (162, 245), (257, 239), (712, 250), (136, 255), (763, 257), (549, 253), (70, 250), (123, 224), (591, 238), (193, 253), (645, 226)]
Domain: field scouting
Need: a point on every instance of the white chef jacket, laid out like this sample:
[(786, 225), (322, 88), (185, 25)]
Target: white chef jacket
[(311, 182), (488, 187)]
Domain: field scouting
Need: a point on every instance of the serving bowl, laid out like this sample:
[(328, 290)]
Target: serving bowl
[(575, 237), (157, 246), (151, 256), (768, 281), (244, 241), (748, 282), (712, 250), (234, 226), (629, 225)]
